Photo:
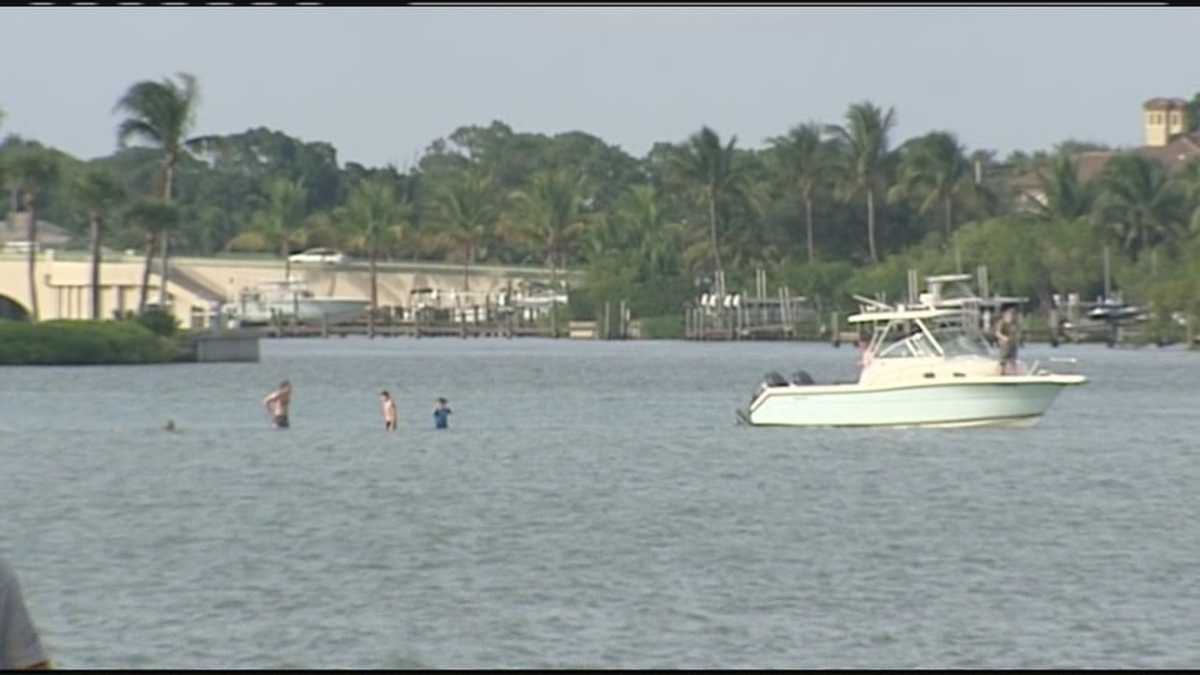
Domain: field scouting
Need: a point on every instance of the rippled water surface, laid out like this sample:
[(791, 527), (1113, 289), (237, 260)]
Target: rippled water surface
[(592, 504)]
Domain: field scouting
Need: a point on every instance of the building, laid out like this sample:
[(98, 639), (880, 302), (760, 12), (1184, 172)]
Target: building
[(14, 233), (1163, 118), (1167, 141)]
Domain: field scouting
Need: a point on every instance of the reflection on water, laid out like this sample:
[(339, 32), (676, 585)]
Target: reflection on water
[(592, 504)]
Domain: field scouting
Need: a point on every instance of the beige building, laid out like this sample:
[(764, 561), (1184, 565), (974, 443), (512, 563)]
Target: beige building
[(1163, 118), (198, 285)]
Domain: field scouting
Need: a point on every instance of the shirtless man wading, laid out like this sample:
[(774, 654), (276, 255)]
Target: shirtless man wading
[(277, 404)]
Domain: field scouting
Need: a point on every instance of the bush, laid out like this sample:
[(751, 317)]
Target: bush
[(159, 321), (64, 342), (667, 327), (618, 277)]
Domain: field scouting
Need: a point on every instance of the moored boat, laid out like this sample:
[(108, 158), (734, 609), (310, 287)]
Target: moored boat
[(285, 300)]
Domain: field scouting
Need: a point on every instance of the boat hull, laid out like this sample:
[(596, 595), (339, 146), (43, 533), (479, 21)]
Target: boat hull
[(994, 401), (331, 310)]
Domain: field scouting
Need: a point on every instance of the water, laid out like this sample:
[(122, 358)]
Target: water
[(592, 504)]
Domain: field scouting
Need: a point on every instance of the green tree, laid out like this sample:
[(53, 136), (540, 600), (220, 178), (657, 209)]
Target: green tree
[(468, 209), (283, 213), (155, 218), (372, 214), (161, 114), (257, 155), (1192, 115), (710, 168), (550, 215), (1139, 203), (1188, 180), (935, 170), (101, 192), (32, 170), (867, 155), (321, 229), (1066, 197), (1073, 146), (805, 162), (656, 239)]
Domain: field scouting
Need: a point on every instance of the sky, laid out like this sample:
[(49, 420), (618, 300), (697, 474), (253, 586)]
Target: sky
[(381, 84)]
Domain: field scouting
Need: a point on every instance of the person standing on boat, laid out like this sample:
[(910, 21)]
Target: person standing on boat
[(441, 413), (20, 646), (1008, 336), (277, 403), (389, 410)]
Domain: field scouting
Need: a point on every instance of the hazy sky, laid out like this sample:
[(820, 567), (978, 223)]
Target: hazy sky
[(381, 84)]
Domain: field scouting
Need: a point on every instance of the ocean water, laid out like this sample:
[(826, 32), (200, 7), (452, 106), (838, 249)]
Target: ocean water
[(593, 505)]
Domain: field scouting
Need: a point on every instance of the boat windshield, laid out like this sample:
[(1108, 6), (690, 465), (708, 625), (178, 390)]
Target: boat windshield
[(952, 339), (957, 342), (916, 345)]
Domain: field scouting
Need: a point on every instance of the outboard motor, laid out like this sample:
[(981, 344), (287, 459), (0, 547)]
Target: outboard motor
[(771, 379), (774, 379), (802, 377)]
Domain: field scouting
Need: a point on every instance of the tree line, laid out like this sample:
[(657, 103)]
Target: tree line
[(827, 208)]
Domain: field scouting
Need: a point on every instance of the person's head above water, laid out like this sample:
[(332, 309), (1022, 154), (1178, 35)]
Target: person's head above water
[(385, 394)]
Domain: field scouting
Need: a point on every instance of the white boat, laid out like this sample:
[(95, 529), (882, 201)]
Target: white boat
[(1113, 310), (927, 365), (285, 300)]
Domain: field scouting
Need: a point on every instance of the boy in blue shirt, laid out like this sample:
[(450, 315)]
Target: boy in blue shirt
[(440, 414)]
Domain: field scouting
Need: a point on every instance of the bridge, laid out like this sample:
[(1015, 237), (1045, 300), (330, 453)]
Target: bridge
[(195, 285)]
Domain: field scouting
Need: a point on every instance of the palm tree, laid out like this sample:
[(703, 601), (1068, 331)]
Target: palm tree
[(935, 169), (286, 200), (1066, 197), (806, 162), (550, 214), (156, 218), (1188, 178), (712, 168), (101, 192), (1139, 202), (468, 207), (643, 224), (372, 214), (32, 169), (162, 114), (866, 141)]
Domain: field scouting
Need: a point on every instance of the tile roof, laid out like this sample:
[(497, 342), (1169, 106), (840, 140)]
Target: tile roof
[(1182, 149), (16, 228), (1164, 104)]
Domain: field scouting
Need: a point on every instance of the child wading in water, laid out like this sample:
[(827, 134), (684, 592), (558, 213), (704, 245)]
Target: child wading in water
[(389, 410), (441, 413)]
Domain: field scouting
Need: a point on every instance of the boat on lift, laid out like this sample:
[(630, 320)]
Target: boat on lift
[(285, 300)]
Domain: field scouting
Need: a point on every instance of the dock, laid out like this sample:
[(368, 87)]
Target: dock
[(409, 330), (423, 325), (757, 316)]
